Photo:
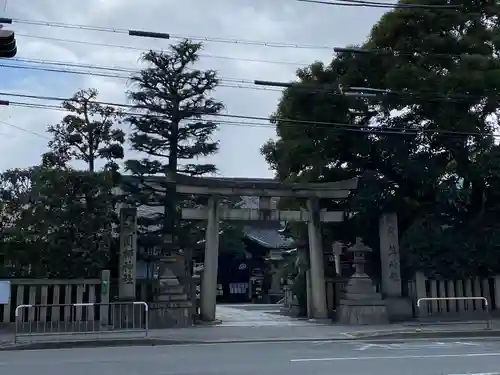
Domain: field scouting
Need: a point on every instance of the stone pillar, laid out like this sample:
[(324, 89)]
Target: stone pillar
[(128, 253), (124, 314), (389, 255), (398, 308), (318, 298), (209, 278)]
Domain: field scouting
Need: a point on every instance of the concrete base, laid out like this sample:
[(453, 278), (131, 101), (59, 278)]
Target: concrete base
[(399, 309), (358, 312), (170, 314)]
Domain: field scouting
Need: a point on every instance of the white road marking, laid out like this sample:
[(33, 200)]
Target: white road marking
[(398, 357), (408, 346), (480, 373), (370, 346), (348, 335)]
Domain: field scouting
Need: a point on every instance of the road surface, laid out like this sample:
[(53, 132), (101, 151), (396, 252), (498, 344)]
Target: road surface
[(295, 358)]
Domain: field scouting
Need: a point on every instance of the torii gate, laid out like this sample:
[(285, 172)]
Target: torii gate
[(265, 189)]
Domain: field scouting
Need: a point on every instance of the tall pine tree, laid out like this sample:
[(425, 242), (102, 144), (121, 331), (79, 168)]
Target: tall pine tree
[(171, 98)]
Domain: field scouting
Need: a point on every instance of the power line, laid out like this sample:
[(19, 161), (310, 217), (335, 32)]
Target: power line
[(76, 65), (236, 83), (376, 4), (413, 53), (121, 46), (226, 82), (24, 129), (248, 84), (130, 32), (115, 69), (170, 36), (242, 83), (283, 121)]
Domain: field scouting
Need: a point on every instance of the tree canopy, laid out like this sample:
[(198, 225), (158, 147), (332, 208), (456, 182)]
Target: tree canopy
[(89, 132), (423, 143), (59, 221)]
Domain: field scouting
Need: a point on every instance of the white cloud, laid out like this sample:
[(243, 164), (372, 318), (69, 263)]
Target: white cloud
[(277, 20)]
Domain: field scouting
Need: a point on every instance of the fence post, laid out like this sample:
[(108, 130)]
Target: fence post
[(104, 307), (420, 290), (496, 290)]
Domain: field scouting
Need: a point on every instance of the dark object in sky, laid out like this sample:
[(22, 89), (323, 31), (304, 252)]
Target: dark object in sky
[(8, 48)]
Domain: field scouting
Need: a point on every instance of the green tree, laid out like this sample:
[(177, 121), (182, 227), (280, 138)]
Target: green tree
[(15, 188), (89, 133), (171, 98), (64, 228), (441, 70)]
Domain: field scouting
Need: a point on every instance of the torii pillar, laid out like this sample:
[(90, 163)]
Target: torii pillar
[(317, 268), (208, 295)]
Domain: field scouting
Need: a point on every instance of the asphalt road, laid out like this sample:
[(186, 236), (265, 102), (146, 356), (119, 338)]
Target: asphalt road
[(296, 358)]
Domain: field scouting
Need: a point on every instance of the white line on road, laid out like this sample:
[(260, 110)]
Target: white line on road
[(417, 346), (480, 373), (397, 357)]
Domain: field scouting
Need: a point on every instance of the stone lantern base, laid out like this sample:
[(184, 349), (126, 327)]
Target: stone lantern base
[(362, 305)]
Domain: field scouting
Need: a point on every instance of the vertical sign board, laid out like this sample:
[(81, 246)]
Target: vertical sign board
[(4, 292), (128, 253), (389, 255)]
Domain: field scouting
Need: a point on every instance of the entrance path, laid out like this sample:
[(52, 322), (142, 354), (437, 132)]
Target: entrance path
[(255, 315)]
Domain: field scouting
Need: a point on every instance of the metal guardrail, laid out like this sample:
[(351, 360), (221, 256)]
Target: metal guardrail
[(81, 321), (484, 299)]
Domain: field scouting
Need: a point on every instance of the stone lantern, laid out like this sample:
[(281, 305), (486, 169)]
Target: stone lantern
[(359, 251), (361, 303)]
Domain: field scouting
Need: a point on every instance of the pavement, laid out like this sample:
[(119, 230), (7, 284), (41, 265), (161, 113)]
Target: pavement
[(254, 323), (428, 357)]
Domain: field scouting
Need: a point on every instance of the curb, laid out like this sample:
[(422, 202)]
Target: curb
[(155, 342), (91, 344), (419, 333), (372, 336)]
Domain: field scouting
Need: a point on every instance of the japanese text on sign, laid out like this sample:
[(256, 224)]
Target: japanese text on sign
[(393, 250), (127, 266)]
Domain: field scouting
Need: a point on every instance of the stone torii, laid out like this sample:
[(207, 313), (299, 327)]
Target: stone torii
[(265, 189)]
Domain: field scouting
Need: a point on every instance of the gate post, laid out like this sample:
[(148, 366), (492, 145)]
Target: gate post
[(209, 282)]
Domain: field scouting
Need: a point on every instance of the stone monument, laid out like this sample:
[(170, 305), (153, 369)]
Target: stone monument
[(398, 307), (125, 313), (361, 304)]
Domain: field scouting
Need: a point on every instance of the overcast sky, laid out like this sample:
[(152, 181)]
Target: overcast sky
[(284, 21)]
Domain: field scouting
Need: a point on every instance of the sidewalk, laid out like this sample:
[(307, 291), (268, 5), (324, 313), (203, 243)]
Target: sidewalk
[(257, 323)]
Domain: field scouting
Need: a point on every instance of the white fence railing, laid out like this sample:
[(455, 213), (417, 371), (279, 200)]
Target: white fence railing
[(483, 307), (82, 321)]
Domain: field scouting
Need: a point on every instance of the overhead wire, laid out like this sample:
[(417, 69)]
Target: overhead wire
[(272, 44), (284, 121), (235, 83), (62, 68), (376, 4), (242, 83), (24, 129), (210, 39), (132, 48)]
